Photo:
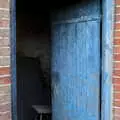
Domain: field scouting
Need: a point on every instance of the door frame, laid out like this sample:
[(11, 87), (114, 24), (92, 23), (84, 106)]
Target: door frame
[(13, 59), (107, 58)]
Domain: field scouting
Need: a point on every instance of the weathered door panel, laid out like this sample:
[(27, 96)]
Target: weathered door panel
[(84, 10), (76, 66)]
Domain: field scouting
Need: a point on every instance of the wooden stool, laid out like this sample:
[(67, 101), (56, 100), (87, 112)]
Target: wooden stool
[(42, 109)]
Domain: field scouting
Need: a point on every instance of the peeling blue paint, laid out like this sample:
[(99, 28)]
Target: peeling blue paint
[(91, 76), (107, 38), (76, 63)]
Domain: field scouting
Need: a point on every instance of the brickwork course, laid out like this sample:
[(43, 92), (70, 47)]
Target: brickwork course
[(116, 63), (5, 97)]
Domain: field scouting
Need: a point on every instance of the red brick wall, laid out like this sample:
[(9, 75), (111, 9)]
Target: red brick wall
[(116, 63), (5, 113)]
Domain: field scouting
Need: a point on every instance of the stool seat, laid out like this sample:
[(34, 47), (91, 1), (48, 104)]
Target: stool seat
[(42, 109)]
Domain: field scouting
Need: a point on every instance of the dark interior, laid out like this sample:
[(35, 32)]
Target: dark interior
[(33, 74), (33, 55)]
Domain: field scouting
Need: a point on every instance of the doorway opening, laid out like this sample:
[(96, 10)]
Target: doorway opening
[(33, 57), (33, 60)]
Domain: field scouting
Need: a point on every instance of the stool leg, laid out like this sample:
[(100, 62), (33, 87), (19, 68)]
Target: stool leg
[(40, 116)]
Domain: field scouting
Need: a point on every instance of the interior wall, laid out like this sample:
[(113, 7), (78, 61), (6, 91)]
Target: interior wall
[(33, 39)]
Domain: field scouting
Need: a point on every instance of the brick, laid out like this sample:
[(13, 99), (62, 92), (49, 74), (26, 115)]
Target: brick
[(117, 33), (116, 88), (117, 26), (116, 49), (5, 90), (116, 73), (4, 4), (116, 118), (5, 99), (4, 23), (4, 42), (116, 42), (117, 17), (4, 61), (5, 80), (118, 2), (116, 65), (4, 32), (6, 116), (116, 81), (5, 107), (116, 111), (4, 70), (116, 103), (116, 96), (117, 10), (116, 57), (4, 51), (4, 14)]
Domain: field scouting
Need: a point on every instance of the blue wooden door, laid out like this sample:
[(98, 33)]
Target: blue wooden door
[(76, 62)]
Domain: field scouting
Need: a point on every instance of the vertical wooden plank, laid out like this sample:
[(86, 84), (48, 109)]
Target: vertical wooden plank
[(76, 70), (13, 58), (107, 40), (76, 62)]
